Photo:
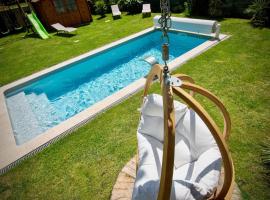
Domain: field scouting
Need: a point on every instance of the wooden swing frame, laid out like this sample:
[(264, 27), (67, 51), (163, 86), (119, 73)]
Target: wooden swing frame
[(156, 72)]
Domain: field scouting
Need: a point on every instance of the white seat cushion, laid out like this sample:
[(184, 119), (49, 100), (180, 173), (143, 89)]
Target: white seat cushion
[(197, 157), (194, 130), (151, 122), (194, 180), (153, 106)]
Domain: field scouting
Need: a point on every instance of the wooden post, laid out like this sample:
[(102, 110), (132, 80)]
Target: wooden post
[(169, 142)]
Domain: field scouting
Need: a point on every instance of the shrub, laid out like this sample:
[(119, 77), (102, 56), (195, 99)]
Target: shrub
[(121, 4), (100, 7), (236, 8), (177, 6), (188, 7), (259, 10), (215, 8), (196, 7), (133, 6)]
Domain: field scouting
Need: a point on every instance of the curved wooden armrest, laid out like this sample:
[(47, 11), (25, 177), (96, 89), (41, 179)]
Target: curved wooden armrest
[(227, 188), (184, 77), (156, 71), (216, 101)]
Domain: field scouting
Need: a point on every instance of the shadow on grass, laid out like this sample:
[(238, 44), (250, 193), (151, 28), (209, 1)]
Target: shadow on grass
[(27, 35), (32, 35), (11, 41), (67, 35), (117, 17), (101, 17), (258, 27)]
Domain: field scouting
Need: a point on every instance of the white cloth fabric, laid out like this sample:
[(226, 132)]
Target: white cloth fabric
[(197, 157), (152, 116)]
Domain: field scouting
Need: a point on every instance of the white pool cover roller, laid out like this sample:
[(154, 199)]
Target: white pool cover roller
[(201, 26)]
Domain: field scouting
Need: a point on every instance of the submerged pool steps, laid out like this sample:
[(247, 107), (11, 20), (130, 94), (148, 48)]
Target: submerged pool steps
[(31, 113), (23, 118), (43, 109)]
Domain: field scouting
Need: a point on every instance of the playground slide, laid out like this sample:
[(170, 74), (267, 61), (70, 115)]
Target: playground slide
[(38, 27)]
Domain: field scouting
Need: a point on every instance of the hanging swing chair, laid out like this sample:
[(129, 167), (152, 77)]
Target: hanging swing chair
[(183, 160), (181, 150)]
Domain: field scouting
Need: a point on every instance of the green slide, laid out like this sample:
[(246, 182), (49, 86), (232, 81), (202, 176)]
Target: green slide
[(38, 27)]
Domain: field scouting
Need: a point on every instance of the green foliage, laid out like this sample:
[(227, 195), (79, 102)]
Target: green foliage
[(121, 4), (188, 7), (196, 7), (259, 10), (177, 6), (215, 8), (112, 2), (235, 8), (131, 6), (199, 7), (100, 7)]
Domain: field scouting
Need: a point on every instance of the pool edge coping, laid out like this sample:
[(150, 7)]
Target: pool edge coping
[(11, 153)]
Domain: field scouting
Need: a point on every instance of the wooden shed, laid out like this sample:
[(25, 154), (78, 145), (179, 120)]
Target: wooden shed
[(66, 12)]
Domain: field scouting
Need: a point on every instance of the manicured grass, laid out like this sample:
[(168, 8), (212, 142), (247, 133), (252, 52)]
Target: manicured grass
[(85, 164), (33, 54)]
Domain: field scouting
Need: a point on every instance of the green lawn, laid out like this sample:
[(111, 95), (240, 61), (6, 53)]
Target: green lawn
[(85, 164)]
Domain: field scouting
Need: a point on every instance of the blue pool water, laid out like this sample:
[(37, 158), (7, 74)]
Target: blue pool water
[(48, 101)]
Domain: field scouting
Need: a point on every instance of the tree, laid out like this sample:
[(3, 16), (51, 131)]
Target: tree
[(259, 10), (215, 8)]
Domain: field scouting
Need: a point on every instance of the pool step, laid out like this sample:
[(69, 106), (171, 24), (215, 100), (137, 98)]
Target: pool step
[(46, 114), (24, 122)]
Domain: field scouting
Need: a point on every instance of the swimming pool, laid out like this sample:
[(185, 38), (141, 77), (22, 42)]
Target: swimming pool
[(46, 99), (54, 98)]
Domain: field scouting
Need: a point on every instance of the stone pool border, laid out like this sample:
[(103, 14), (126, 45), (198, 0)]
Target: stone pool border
[(11, 154)]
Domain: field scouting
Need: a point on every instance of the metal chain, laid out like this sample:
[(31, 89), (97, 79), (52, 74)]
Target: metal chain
[(165, 19), (165, 24)]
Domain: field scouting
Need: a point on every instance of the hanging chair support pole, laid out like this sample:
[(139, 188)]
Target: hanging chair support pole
[(169, 142), (168, 109)]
